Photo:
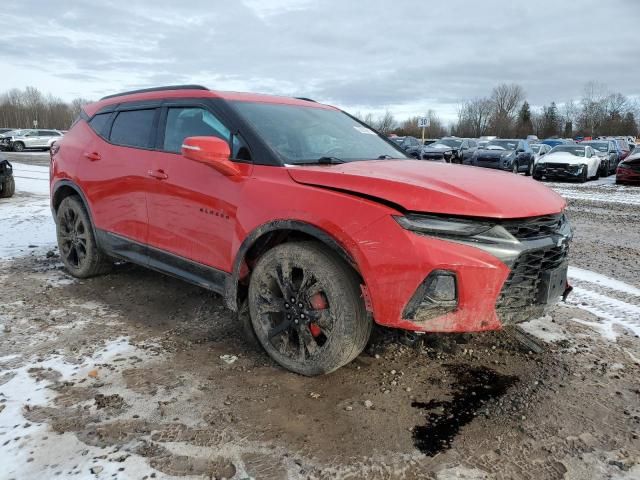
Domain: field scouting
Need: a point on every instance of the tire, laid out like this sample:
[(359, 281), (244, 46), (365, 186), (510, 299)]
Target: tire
[(18, 147), (79, 250), (537, 177), (8, 188), (585, 175), (325, 326), (514, 168), (529, 170)]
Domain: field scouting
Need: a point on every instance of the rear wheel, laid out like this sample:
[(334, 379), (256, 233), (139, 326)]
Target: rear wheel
[(78, 247), (18, 147), (8, 187), (306, 308)]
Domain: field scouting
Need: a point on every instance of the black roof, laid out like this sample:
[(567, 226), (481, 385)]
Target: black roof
[(157, 89)]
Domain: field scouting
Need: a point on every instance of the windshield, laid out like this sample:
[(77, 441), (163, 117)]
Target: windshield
[(600, 146), (300, 134), (449, 142), (536, 147), (501, 145), (576, 150)]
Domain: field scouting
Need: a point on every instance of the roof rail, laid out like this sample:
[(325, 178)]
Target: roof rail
[(306, 99), (157, 89)]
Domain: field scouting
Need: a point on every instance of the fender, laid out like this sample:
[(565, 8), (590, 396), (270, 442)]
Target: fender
[(69, 183), (231, 286)]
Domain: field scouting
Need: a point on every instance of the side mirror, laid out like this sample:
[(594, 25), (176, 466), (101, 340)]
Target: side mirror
[(211, 151), (543, 153)]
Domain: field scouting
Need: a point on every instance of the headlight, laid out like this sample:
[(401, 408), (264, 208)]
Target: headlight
[(442, 226)]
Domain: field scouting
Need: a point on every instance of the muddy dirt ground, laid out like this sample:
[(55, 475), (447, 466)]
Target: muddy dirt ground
[(138, 375)]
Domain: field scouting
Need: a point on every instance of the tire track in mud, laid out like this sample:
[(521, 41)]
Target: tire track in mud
[(612, 301)]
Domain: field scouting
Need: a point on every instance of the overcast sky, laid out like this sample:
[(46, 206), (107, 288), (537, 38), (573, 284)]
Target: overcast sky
[(406, 56)]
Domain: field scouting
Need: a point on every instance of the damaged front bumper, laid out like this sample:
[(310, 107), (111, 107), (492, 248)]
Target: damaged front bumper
[(506, 275), (559, 171)]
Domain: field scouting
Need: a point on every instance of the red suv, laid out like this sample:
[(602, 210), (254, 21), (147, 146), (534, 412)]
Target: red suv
[(304, 215)]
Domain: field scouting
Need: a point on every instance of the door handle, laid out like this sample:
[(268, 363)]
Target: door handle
[(159, 174), (93, 156)]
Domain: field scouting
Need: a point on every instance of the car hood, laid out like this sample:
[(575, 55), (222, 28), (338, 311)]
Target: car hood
[(439, 188), (564, 157)]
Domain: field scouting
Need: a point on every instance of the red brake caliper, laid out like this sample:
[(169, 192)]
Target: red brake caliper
[(318, 302)]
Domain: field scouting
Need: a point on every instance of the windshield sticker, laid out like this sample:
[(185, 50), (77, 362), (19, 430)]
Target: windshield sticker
[(364, 130)]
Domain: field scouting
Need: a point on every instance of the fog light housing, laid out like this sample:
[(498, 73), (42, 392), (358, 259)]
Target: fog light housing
[(436, 296)]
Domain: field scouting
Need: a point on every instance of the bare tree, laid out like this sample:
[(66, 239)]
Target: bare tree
[(506, 100), (386, 123)]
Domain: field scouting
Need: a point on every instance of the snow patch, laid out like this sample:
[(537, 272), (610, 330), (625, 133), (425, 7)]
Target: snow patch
[(53, 452), (25, 218)]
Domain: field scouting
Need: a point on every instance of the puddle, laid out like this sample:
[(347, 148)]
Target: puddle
[(472, 388)]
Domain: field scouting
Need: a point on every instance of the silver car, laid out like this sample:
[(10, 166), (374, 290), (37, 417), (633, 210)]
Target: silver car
[(18, 140)]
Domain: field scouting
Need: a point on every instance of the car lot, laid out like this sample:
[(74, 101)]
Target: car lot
[(137, 371)]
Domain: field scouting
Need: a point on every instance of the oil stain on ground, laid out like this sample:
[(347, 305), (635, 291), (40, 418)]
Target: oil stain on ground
[(472, 388)]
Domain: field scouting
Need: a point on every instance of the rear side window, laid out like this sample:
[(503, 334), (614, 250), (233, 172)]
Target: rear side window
[(99, 123), (133, 128)]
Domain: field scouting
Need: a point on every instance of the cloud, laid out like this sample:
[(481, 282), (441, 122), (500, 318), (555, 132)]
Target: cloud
[(369, 55)]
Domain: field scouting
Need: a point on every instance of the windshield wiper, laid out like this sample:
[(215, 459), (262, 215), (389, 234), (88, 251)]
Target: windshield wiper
[(384, 157), (320, 161)]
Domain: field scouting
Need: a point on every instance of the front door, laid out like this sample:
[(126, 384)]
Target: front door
[(192, 206)]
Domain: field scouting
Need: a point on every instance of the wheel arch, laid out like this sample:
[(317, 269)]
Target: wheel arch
[(66, 188), (267, 236)]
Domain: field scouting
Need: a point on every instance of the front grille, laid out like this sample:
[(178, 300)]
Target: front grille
[(521, 289), (536, 227), (432, 156), (563, 166)]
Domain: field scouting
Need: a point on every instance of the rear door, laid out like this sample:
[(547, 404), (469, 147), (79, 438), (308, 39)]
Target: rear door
[(115, 170), (192, 206)]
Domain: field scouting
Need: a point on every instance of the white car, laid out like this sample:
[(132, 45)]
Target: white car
[(18, 140), (539, 151), (568, 162)]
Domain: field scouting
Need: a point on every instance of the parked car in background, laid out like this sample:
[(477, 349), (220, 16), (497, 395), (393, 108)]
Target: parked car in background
[(624, 147), (513, 155), (437, 152), (607, 150), (19, 140), (208, 187), (553, 142), (569, 162), (409, 144), (628, 172), (539, 150), (5, 130), (532, 139), (459, 147)]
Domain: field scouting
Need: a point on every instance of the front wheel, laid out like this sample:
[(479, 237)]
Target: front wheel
[(585, 174), (306, 308), (18, 147), (78, 247), (514, 169), (530, 170)]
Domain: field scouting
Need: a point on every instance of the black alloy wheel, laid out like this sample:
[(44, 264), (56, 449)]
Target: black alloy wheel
[(78, 248), (306, 308)]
